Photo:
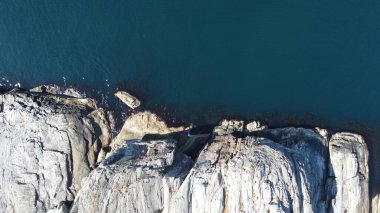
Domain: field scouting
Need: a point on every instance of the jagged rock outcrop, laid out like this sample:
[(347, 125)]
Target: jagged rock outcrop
[(348, 173), (49, 143), (141, 124), (282, 170), (55, 148), (277, 170), (268, 170), (139, 177), (57, 90)]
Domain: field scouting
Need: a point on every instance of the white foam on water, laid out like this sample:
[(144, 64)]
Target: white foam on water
[(5, 82), (64, 80)]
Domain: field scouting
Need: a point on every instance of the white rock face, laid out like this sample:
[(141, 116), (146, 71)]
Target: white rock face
[(49, 144), (274, 170), (139, 177), (349, 171), (257, 174)]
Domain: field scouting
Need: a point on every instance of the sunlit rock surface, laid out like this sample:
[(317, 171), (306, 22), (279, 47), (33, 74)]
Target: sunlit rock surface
[(139, 177), (272, 170), (49, 143), (376, 203), (282, 170), (128, 99), (58, 155), (348, 173), (141, 124)]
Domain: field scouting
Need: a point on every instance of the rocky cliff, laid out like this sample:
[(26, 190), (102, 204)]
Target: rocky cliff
[(53, 149), (49, 143)]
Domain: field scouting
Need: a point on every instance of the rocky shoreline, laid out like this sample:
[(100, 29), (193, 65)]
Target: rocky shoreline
[(62, 153)]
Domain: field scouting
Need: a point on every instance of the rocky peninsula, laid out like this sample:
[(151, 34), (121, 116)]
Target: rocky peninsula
[(62, 153)]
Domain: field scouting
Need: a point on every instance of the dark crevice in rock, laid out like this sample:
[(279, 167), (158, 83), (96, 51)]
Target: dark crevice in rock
[(188, 143), (70, 168)]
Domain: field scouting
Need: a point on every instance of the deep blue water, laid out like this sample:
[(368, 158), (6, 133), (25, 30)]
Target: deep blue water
[(203, 59), (245, 58)]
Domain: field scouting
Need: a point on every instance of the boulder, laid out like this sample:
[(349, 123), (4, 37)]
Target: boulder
[(128, 99)]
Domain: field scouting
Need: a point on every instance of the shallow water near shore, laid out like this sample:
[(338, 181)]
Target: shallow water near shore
[(286, 63)]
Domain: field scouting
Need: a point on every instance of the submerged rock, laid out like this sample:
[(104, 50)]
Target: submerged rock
[(128, 99), (49, 143)]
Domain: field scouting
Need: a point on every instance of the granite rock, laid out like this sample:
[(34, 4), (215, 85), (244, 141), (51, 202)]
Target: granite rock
[(349, 173), (49, 143), (139, 177), (282, 170), (55, 150), (268, 170)]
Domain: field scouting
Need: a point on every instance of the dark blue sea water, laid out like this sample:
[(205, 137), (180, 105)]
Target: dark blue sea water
[(245, 58), (318, 59)]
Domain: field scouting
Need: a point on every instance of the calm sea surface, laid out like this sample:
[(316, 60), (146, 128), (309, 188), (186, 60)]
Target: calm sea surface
[(204, 59), (246, 57)]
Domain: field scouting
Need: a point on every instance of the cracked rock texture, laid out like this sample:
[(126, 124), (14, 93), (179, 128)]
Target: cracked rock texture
[(277, 170), (55, 157), (139, 177), (349, 171), (283, 170), (49, 143), (272, 170)]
